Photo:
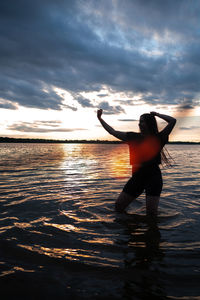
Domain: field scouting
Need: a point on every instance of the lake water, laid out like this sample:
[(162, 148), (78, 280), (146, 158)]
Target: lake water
[(60, 237)]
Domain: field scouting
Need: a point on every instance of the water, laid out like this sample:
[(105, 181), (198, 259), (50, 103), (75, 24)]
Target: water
[(60, 237)]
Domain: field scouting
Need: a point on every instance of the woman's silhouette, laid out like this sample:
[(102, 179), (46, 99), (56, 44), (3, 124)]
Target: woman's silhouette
[(146, 153)]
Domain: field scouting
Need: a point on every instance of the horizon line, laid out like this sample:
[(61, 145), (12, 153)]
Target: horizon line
[(44, 140)]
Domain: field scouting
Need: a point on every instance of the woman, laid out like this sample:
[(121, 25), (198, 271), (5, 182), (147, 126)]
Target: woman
[(146, 153)]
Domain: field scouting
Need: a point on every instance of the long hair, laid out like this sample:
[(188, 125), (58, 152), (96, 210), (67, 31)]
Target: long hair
[(151, 123)]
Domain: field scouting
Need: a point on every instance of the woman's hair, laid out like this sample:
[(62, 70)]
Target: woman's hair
[(151, 123)]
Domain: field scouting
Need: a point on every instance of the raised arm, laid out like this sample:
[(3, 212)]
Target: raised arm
[(118, 134), (170, 120)]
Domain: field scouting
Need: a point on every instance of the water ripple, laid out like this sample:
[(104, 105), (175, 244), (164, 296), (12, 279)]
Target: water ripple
[(57, 209)]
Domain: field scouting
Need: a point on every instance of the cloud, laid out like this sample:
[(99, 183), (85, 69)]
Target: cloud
[(109, 110), (30, 94), (102, 95), (146, 48), (48, 126), (160, 17), (189, 128), (51, 123), (84, 102), (185, 106), (8, 105), (128, 120)]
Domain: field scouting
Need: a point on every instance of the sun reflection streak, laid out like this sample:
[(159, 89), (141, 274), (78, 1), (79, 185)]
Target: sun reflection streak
[(85, 160), (78, 219), (69, 253), (75, 255), (64, 227), (14, 269)]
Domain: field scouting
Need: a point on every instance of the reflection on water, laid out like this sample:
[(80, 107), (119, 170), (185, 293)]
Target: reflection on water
[(96, 161), (58, 224), (142, 255)]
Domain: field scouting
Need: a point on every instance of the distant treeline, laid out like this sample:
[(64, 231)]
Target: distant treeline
[(29, 140)]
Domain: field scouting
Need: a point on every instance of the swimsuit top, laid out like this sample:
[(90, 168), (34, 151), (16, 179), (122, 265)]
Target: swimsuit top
[(145, 150)]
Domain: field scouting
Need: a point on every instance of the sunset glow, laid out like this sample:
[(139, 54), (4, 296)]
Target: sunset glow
[(73, 59)]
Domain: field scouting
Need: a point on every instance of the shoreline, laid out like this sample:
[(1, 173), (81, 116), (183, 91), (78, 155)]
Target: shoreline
[(52, 141)]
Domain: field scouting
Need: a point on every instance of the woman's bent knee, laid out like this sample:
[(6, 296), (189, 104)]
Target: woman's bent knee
[(122, 202)]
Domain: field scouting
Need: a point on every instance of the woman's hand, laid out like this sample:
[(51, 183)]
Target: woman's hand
[(154, 113), (99, 113)]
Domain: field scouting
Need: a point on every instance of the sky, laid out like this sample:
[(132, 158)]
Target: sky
[(62, 60)]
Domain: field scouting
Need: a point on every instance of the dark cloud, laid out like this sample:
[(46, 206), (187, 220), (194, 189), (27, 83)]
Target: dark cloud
[(30, 95), (128, 102), (189, 128), (102, 95), (40, 127), (185, 107), (128, 120), (109, 110), (84, 102), (147, 48), (8, 105), (161, 17), (45, 123), (74, 108)]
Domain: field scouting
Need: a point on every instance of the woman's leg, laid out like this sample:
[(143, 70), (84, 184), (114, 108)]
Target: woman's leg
[(132, 189), (152, 205), (153, 190), (123, 201)]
